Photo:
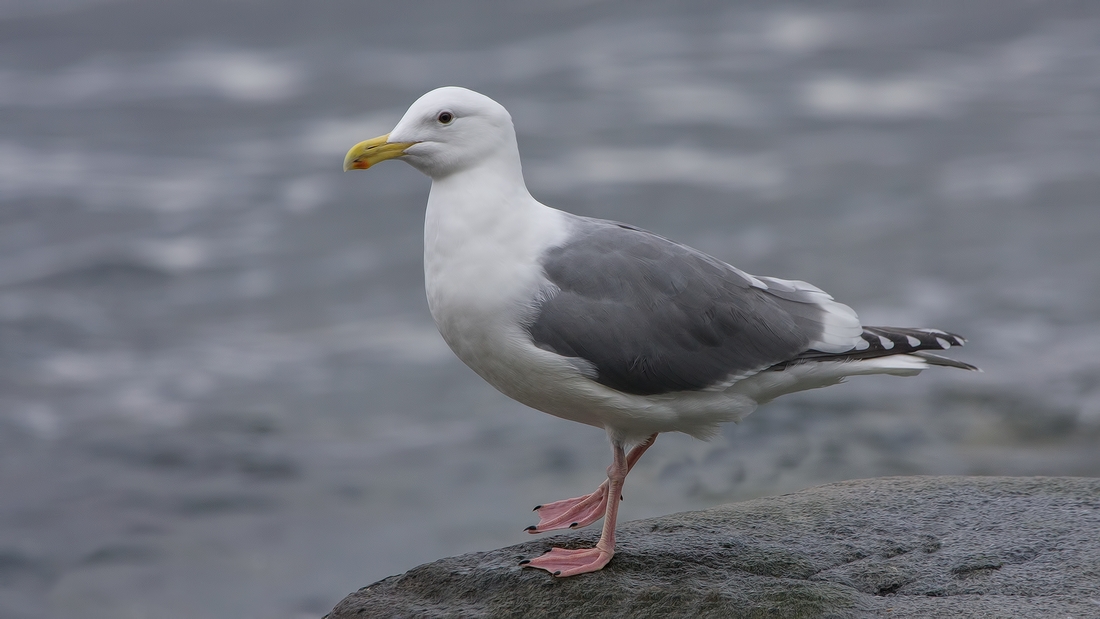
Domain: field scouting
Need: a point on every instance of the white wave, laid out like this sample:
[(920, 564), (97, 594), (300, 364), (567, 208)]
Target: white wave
[(332, 137), (885, 98), (111, 181), (245, 76)]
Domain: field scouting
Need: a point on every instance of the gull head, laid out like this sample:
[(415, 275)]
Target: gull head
[(445, 131)]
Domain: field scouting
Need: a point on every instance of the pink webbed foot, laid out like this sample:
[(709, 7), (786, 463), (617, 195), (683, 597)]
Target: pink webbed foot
[(562, 562), (571, 513), (583, 510)]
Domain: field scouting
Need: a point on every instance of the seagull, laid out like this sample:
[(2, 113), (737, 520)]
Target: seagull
[(607, 324)]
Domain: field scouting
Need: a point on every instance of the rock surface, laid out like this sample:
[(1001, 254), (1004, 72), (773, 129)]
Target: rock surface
[(890, 547)]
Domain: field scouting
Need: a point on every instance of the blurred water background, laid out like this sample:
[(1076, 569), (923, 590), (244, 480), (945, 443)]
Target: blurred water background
[(221, 393)]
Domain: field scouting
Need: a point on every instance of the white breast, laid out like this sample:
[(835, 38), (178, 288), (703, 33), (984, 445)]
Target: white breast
[(482, 272)]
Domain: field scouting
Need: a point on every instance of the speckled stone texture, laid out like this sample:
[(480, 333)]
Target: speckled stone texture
[(891, 547)]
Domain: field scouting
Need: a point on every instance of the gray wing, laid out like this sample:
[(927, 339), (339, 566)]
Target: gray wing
[(652, 316)]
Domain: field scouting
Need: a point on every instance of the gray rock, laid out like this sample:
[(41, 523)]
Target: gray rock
[(891, 547)]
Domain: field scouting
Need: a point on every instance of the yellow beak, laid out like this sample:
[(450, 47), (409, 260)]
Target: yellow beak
[(365, 154)]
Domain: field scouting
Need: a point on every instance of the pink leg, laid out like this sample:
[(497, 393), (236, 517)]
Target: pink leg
[(583, 510), (563, 562)]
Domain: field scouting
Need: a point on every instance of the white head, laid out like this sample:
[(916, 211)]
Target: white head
[(445, 131)]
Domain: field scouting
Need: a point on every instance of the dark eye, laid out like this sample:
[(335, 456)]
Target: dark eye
[(445, 118)]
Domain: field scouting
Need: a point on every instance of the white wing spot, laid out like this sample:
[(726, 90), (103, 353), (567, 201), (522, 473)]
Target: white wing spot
[(862, 344), (944, 344), (886, 343), (914, 342)]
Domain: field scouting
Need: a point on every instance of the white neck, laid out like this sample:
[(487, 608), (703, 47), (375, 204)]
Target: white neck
[(487, 200)]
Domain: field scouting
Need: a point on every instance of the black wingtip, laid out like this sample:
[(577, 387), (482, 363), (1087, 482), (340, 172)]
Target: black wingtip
[(878, 342)]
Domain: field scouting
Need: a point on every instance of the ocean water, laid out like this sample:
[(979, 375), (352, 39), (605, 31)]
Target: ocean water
[(221, 393)]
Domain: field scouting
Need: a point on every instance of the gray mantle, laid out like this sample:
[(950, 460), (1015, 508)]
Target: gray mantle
[(890, 547)]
